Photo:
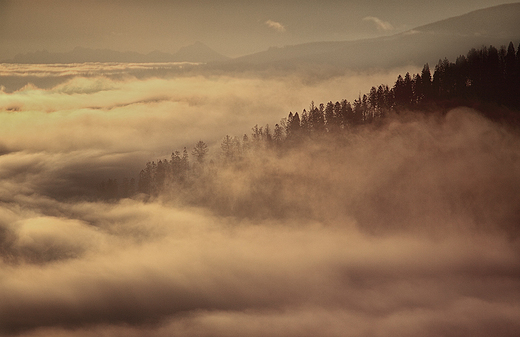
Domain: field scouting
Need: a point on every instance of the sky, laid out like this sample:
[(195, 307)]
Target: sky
[(233, 28)]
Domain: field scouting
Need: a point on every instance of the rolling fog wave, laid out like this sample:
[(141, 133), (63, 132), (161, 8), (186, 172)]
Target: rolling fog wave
[(83, 69), (404, 229)]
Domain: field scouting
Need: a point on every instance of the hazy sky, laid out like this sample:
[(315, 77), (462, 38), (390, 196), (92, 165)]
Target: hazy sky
[(233, 28)]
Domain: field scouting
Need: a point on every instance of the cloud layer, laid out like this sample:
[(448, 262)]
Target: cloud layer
[(404, 229)]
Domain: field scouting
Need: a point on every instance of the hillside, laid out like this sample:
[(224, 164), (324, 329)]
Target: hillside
[(447, 38)]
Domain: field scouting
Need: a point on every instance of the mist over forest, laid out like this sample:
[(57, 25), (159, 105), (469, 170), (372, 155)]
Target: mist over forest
[(175, 199)]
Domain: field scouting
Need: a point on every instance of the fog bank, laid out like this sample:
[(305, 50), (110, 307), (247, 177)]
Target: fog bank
[(402, 229)]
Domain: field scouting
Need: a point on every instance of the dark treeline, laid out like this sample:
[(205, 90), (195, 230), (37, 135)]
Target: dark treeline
[(487, 76)]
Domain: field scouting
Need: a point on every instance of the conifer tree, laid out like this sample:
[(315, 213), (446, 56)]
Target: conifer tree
[(200, 151)]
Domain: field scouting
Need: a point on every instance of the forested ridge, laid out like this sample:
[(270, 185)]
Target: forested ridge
[(487, 79)]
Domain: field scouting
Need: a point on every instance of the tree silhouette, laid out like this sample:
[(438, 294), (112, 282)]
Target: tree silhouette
[(200, 151), (487, 75)]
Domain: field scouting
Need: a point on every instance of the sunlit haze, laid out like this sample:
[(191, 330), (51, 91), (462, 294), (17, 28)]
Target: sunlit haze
[(226, 185)]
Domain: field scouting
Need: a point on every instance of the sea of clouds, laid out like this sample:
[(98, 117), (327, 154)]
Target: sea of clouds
[(404, 229)]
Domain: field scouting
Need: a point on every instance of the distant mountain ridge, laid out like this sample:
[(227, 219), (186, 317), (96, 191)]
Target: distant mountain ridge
[(500, 21), (449, 38), (446, 38), (197, 52)]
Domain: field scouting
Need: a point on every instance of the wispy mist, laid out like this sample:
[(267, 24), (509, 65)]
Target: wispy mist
[(402, 229)]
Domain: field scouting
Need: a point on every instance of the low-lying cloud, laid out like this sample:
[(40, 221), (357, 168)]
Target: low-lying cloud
[(106, 119), (402, 229)]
